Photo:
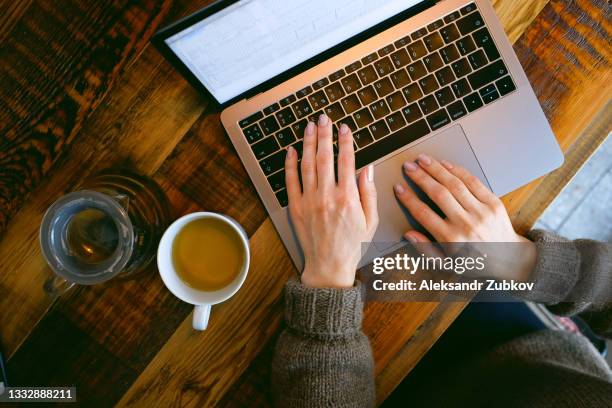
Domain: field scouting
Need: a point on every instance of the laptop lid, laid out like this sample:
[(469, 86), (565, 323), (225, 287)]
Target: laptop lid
[(235, 49)]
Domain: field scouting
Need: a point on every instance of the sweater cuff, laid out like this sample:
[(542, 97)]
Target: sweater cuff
[(323, 312), (557, 267)]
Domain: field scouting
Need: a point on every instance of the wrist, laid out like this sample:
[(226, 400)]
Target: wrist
[(329, 275)]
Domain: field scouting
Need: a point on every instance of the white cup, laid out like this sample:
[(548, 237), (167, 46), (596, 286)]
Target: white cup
[(203, 300)]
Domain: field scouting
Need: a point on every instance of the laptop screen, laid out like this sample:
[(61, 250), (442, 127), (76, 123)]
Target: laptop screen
[(251, 41)]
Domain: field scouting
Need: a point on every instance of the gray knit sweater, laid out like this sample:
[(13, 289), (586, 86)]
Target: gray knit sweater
[(323, 359)]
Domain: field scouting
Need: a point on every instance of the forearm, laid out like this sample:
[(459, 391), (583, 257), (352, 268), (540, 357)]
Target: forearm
[(323, 358), (574, 277)]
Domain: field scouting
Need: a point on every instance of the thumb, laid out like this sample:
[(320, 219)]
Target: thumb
[(367, 194)]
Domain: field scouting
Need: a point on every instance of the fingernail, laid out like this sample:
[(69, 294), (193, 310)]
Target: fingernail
[(344, 129), (370, 174), (399, 189), (290, 152), (424, 159), (323, 120), (410, 166), (447, 164), (310, 128), (410, 238)]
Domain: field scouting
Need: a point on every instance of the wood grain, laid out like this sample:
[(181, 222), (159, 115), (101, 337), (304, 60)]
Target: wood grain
[(138, 111)]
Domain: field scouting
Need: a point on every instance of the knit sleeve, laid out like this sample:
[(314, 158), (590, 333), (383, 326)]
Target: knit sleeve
[(574, 277), (322, 357)]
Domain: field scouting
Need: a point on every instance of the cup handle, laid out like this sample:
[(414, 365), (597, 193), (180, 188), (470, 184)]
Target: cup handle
[(56, 285), (201, 313)]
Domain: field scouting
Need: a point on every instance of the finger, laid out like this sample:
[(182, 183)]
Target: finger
[(421, 212), (292, 179), (452, 183), (346, 157), (480, 191), (436, 191), (423, 244), (325, 154), (309, 152), (368, 196)]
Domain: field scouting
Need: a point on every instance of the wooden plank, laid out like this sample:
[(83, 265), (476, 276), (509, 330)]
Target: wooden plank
[(517, 15)]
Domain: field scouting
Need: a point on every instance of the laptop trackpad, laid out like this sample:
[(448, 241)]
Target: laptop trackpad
[(451, 145)]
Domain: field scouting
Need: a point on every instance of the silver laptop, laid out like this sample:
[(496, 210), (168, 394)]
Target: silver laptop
[(407, 76)]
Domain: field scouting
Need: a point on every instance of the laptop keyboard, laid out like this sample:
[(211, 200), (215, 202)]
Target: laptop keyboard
[(389, 98)]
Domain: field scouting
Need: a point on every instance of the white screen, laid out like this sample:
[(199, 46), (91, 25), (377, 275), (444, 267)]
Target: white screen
[(252, 41)]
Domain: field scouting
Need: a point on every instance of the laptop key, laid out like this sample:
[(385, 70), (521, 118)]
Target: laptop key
[(444, 96), (466, 45), (412, 112), (400, 78), (363, 138), (395, 121), (470, 23), (379, 109), (379, 129), (269, 125), (445, 76), (487, 74), (304, 92), (433, 42), (417, 70), (285, 117), (433, 62), (334, 92), (419, 33), (288, 100), (412, 93), (383, 87), (428, 105), (386, 50), (334, 111), (302, 108), (336, 75), (450, 33), (299, 128), (285, 137), (368, 59), (396, 101), (363, 117), (352, 67), (318, 100), (367, 95), (461, 68), (455, 15), (367, 75), (391, 143), (299, 148), (456, 110), (250, 120), (505, 85), (277, 180), (272, 164), (320, 83), (282, 198), (472, 102), (489, 93), (483, 39), (468, 9), (400, 58), (350, 122), (477, 60), (383, 66), (435, 25), (265, 147), (351, 83), (271, 109), (350, 104), (438, 119), (417, 50), (450, 53), (428, 84), (461, 88), (402, 42), (253, 133)]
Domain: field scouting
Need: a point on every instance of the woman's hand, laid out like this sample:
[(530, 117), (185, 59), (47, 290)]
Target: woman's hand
[(331, 218)]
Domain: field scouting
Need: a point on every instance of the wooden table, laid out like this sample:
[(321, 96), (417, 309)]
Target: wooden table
[(82, 89)]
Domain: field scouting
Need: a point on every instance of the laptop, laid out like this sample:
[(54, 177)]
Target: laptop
[(407, 76)]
